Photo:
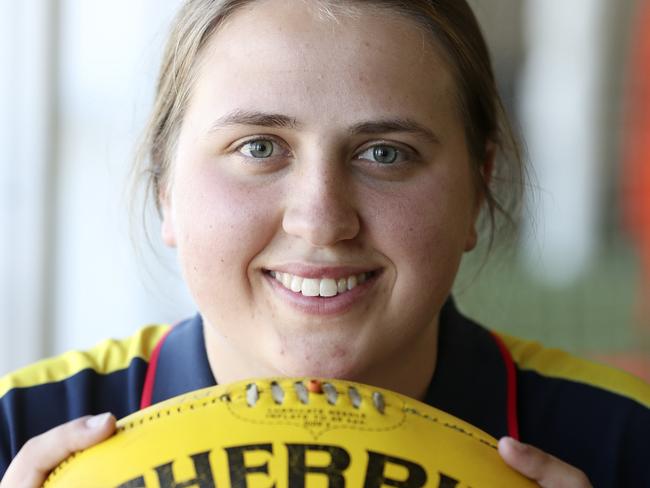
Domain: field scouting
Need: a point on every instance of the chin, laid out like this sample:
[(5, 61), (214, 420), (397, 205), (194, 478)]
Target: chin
[(320, 356), (322, 367)]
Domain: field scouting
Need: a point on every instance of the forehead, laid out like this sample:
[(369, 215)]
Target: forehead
[(297, 55)]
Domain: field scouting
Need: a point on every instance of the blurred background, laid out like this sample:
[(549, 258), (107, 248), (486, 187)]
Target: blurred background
[(76, 82)]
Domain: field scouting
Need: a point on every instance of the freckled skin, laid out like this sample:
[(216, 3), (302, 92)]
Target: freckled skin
[(320, 203)]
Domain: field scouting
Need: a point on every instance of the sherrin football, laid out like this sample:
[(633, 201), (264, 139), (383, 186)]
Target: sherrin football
[(290, 433)]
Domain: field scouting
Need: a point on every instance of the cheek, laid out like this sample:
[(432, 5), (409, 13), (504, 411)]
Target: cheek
[(426, 227), (221, 226)]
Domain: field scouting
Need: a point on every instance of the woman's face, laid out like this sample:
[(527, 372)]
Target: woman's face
[(326, 157)]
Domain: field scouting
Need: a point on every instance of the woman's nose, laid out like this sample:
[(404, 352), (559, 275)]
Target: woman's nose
[(319, 207)]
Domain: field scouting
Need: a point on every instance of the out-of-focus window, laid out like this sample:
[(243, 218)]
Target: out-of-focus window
[(572, 277), (76, 82)]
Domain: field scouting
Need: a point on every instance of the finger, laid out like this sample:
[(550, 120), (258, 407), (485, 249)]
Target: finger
[(43, 453), (548, 471)]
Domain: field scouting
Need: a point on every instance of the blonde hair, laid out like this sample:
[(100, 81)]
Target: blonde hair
[(450, 23)]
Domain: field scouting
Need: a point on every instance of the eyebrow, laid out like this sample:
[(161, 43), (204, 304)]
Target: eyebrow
[(281, 121), (395, 125), (244, 117)]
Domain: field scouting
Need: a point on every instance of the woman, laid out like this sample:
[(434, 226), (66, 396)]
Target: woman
[(320, 167)]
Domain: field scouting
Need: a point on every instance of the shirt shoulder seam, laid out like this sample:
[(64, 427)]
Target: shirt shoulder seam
[(554, 363), (108, 356)]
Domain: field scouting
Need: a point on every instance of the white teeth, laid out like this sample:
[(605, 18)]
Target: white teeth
[(314, 287), (328, 288), (310, 287), (296, 284), (286, 280), (342, 285), (352, 282)]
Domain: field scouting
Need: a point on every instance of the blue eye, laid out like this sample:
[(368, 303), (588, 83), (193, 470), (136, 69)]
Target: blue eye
[(259, 149), (385, 154), (382, 154)]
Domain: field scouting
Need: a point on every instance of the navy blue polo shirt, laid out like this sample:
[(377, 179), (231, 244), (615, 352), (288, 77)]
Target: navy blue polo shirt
[(589, 415)]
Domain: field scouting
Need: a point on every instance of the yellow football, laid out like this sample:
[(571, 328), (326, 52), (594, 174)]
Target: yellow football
[(290, 433)]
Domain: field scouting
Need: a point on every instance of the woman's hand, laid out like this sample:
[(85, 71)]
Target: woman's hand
[(43, 453), (546, 470)]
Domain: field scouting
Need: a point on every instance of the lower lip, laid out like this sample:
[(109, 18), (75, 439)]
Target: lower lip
[(322, 306)]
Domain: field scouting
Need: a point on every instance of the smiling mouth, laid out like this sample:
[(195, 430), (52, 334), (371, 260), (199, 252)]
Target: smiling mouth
[(324, 287)]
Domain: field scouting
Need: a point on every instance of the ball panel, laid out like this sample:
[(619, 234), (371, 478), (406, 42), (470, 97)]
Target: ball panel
[(228, 436)]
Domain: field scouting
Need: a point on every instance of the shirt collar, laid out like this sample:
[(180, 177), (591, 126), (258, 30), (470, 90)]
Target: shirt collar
[(183, 362), (470, 377)]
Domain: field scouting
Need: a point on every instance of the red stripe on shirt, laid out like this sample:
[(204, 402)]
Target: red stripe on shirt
[(511, 376), (150, 378)]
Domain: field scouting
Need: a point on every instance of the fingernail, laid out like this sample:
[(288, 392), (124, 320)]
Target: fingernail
[(98, 420), (516, 445)]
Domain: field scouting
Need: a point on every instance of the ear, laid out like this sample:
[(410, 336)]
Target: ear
[(167, 228), (485, 173)]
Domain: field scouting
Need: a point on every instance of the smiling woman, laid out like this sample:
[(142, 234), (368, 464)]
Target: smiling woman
[(314, 202), (320, 168)]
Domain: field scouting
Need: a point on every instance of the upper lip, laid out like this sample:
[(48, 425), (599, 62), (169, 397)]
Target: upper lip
[(321, 271)]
